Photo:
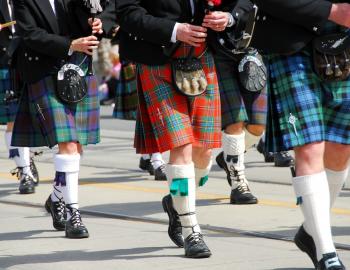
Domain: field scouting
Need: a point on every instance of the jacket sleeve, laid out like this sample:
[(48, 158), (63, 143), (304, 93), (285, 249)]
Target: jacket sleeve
[(310, 14), (135, 19), (36, 38), (109, 18)]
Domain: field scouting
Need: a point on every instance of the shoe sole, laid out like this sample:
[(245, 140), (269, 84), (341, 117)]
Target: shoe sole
[(80, 236), (159, 179), (245, 202), (289, 164), (304, 249), (58, 228), (166, 210), (27, 191), (200, 255)]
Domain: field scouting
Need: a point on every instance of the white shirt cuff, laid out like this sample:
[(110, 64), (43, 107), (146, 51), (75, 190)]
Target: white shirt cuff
[(232, 21), (173, 35)]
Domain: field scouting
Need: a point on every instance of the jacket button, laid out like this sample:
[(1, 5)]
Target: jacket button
[(36, 58), (10, 37), (25, 55), (315, 28), (4, 49), (30, 58)]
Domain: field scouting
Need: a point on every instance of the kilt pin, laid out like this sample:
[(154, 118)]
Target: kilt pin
[(167, 119)]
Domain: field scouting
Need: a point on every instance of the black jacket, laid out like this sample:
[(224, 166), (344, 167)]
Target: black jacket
[(6, 35), (287, 26), (47, 37), (147, 26)]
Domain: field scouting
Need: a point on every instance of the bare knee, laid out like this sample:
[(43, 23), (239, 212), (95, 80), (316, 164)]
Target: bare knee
[(181, 155), (234, 129), (256, 130), (336, 156), (309, 158), (201, 157), (68, 148)]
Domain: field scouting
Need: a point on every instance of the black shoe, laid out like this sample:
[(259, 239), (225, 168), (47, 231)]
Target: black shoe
[(330, 261), (58, 213), (283, 159), (174, 229), (146, 165), (75, 227), (34, 171), (159, 173), (268, 156), (241, 194), (26, 184), (220, 160), (306, 244), (195, 246)]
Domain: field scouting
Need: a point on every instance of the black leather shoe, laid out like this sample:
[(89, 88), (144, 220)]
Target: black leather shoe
[(330, 261), (268, 156), (195, 246), (159, 173), (174, 229), (283, 159), (58, 213), (220, 160), (75, 227), (26, 184), (146, 165), (34, 171), (242, 194), (306, 244)]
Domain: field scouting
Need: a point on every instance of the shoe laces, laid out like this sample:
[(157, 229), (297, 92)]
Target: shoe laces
[(162, 168), (239, 178), (18, 171), (195, 237), (61, 207), (76, 218), (285, 154)]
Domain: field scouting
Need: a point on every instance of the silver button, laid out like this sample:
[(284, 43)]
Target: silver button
[(257, 18), (36, 58), (315, 28), (264, 18), (237, 14), (25, 55), (4, 49), (30, 58), (10, 37)]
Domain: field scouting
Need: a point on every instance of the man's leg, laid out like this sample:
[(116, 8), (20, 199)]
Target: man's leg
[(312, 191)]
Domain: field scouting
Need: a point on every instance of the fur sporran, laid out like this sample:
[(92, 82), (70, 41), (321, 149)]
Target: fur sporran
[(331, 56), (71, 86), (188, 76)]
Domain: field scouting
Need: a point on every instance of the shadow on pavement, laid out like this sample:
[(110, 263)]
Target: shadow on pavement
[(11, 236)]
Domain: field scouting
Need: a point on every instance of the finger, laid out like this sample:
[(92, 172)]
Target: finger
[(196, 40), (87, 52), (197, 28), (90, 38), (198, 34), (92, 43)]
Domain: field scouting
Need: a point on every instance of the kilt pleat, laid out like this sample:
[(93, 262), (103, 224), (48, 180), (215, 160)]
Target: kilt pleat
[(167, 119)]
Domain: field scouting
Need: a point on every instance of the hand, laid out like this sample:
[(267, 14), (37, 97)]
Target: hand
[(0, 26), (191, 34), (340, 14), (84, 44), (96, 25), (216, 20)]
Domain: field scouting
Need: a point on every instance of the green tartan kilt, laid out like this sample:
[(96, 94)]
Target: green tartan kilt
[(43, 120)]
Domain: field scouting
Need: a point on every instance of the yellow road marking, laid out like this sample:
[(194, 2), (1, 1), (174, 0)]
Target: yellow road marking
[(202, 196)]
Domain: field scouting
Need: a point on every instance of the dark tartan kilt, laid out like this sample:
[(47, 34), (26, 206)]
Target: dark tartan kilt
[(7, 111), (237, 104), (43, 120), (302, 108), (167, 119), (126, 93)]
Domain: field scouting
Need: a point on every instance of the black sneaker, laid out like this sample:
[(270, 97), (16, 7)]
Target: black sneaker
[(283, 159), (268, 156), (159, 173), (330, 261), (195, 246), (146, 165), (58, 213), (75, 227), (26, 184), (306, 244), (174, 229), (241, 194)]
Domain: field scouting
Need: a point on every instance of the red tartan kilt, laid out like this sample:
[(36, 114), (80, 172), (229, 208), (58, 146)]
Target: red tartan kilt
[(167, 119)]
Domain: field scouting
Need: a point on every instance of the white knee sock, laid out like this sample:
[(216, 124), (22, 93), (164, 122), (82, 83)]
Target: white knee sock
[(250, 139), (202, 175), (67, 176), (21, 155), (181, 180), (157, 160), (336, 180), (56, 194), (146, 156), (234, 148), (313, 196)]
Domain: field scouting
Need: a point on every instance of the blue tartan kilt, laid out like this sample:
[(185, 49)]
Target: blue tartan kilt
[(302, 108), (7, 110)]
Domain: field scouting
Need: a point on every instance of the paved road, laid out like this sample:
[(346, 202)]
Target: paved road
[(122, 210)]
